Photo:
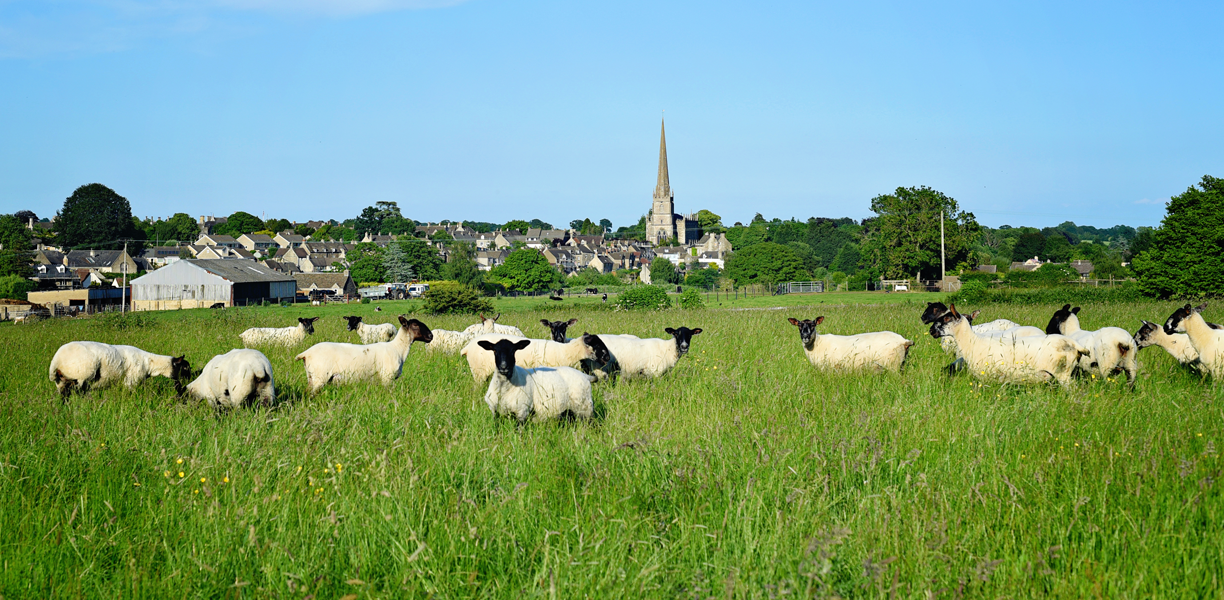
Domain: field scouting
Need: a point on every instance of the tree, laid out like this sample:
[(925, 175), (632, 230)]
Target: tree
[(304, 230), (179, 228), (606, 225), (238, 224), (1028, 245), (904, 236), (423, 258), (446, 297), (396, 265), (766, 262), (16, 247), (94, 216), (525, 270), (518, 225), (462, 266), (710, 222), (25, 216), (1184, 258), (15, 287), (847, 259), (278, 225), (538, 224), (663, 271), (1058, 248), (703, 278)]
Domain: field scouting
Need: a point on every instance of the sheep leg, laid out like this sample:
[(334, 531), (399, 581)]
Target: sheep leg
[(956, 365)]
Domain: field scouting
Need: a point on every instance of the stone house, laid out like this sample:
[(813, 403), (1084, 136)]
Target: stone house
[(257, 242), (100, 261), (287, 239)]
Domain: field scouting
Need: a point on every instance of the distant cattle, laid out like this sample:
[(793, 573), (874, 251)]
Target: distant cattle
[(592, 290), (218, 305)]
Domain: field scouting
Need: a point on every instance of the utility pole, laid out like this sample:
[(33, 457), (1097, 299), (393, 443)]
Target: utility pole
[(942, 268), (123, 290)]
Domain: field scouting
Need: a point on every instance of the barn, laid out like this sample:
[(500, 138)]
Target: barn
[(205, 283)]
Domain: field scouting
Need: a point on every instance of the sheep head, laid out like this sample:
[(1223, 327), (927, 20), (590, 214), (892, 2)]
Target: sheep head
[(558, 328), (417, 331), (353, 322), (1176, 323), (503, 354), (683, 336), (807, 328), (308, 324), (599, 351)]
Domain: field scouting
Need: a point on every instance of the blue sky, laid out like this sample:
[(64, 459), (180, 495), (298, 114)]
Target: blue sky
[(1026, 113)]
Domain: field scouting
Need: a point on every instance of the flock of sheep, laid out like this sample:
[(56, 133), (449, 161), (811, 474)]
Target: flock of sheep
[(547, 378)]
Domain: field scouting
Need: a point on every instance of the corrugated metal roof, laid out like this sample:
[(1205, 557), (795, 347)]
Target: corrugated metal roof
[(240, 271)]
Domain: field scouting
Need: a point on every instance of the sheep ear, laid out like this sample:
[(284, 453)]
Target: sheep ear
[(545, 323), (1066, 307), (819, 320), (1200, 308), (403, 321), (481, 315), (572, 321), (974, 314), (497, 317), (485, 344), (670, 331), (696, 331), (793, 321), (1075, 311), (952, 310), (519, 345)]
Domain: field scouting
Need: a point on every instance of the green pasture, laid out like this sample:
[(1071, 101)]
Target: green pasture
[(741, 473)]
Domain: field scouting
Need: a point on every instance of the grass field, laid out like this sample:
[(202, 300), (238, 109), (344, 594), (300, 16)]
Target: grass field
[(741, 473)]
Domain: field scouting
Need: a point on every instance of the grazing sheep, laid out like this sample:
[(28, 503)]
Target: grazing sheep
[(1000, 327), (1034, 359), (334, 361), (633, 357), (877, 351), (487, 325), (370, 334), (1176, 344), (538, 353), (233, 379), (94, 365), (557, 329), (1111, 349), (542, 393), (278, 336), (1206, 340)]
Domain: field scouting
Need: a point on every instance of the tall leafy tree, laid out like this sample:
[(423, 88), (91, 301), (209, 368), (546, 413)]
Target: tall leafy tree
[(180, 228), (396, 264), (518, 225), (423, 258), (538, 224), (525, 270), (94, 216), (239, 223), (462, 266), (709, 222), (1184, 257), (766, 262), (16, 247), (904, 237), (663, 271)]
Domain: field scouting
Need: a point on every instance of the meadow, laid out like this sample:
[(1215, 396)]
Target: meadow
[(741, 473)]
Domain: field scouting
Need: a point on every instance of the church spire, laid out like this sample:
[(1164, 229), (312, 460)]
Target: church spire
[(663, 187)]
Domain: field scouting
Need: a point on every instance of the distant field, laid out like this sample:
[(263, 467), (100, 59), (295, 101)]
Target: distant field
[(733, 301), (741, 473)]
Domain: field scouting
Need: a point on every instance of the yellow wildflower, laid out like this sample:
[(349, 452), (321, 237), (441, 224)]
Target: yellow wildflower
[(181, 474), (180, 461)]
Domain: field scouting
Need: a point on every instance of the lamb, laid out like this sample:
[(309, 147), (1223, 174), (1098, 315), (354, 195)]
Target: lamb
[(1177, 344), (93, 365), (999, 327), (876, 351), (542, 393), (233, 379), (636, 358), (278, 336), (487, 325), (1207, 341), (1111, 349), (370, 334), (448, 341), (1033, 359), (333, 361), (557, 329), (537, 353)]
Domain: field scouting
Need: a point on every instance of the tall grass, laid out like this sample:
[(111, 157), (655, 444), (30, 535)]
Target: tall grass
[(743, 472)]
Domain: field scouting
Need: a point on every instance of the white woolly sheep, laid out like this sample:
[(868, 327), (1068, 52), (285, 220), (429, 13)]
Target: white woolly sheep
[(278, 336), (1176, 344), (235, 378), (93, 365), (1110, 349), (487, 325), (1207, 341), (635, 358), (450, 342), (1033, 359), (877, 351), (541, 393), (333, 361), (538, 353), (1000, 327), (369, 333)]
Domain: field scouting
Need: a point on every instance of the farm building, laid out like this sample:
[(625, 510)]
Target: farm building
[(316, 285), (204, 283)]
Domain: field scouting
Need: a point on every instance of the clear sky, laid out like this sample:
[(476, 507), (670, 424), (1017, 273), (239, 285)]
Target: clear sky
[(1028, 113)]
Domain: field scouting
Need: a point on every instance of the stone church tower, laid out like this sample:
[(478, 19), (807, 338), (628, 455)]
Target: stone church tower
[(662, 224)]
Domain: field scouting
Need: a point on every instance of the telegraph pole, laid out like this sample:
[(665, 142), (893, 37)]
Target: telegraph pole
[(123, 290), (942, 268)]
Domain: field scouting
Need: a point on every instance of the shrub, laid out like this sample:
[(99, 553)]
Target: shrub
[(643, 297), (691, 299), (365, 300), (970, 294), (448, 297), (978, 276), (1048, 275), (16, 287)]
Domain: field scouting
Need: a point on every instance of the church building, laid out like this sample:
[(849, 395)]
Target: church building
[(664, 224)]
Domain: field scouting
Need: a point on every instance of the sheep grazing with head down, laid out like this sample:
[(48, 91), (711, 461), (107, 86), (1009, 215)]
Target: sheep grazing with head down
[(328, 362), (84, 366), (877, 351), (538, 353), (1034, 359), (371, 334), (556, 329), (635, 358), (278, 336), (1208, 342), (540, 393), (234, 379), (1110, 349), (487, 325)]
